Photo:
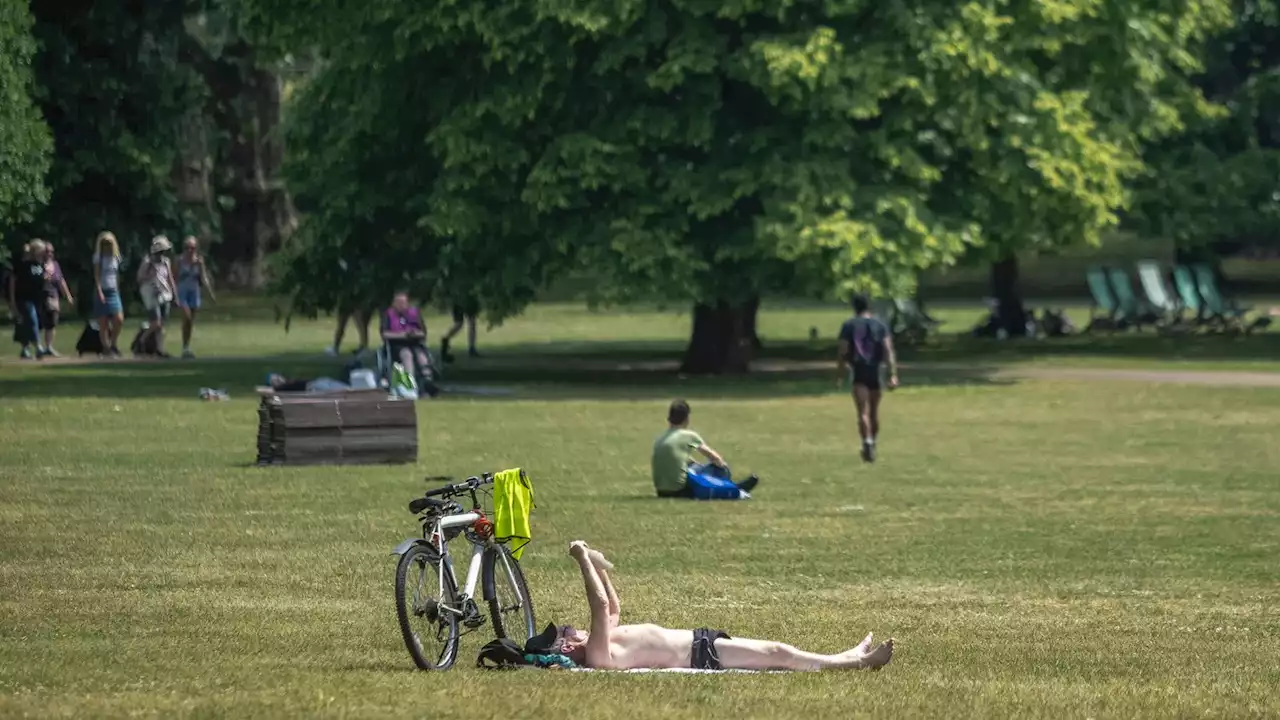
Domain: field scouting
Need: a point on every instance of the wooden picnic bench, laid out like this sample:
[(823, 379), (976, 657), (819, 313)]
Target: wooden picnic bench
[(339, 427)]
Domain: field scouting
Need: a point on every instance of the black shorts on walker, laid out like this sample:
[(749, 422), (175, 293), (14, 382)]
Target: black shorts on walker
[(867, 376)]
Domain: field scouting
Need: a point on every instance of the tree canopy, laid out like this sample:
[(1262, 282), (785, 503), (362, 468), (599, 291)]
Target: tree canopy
[(23, 133), (710, 151), (1220, 179), (109, 84)]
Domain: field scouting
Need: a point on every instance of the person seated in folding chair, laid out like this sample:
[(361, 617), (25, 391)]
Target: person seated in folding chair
[(405, 334)]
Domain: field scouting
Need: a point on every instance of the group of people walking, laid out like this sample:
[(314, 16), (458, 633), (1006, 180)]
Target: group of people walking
[(35, 292), (37, 287)]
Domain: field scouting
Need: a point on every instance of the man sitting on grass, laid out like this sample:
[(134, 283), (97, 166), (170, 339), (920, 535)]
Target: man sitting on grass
[(610, 646), (673, 456)]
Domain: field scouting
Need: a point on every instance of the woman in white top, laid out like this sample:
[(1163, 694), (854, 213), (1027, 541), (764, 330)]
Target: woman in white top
[(157, 286)]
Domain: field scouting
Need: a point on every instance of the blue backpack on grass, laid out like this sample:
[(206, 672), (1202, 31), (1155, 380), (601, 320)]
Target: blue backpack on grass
[(708, 482)]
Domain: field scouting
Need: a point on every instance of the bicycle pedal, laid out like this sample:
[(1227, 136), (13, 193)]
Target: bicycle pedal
[(474, 621)]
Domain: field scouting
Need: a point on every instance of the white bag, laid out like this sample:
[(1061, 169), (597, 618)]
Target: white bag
[(363, 379)]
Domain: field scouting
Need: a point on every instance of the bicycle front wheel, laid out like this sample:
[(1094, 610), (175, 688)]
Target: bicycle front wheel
[(510, 605), (423, 601)]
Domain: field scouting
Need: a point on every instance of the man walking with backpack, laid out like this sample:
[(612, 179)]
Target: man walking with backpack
[(865, 343)]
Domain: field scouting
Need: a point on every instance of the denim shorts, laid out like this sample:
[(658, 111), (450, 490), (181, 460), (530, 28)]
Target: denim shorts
[(110, 304), (189, 296)]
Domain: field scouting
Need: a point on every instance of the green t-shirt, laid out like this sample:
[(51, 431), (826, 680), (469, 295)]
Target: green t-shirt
[(672, 452)]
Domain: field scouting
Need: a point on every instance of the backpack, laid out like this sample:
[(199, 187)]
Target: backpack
[(147, 347), (90, 340), (502, 654), (712, 484), (538, 652)]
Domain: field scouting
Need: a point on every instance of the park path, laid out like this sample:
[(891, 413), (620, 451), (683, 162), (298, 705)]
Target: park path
[(1241, 378), (1238, 378)]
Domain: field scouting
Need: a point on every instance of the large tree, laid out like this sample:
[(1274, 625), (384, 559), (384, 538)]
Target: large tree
[(23, 133), (709, 152), (239, 128), (112, 91), (1219, 181)]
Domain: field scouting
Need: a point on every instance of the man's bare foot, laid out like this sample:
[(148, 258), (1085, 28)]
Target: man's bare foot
[(863, 647), (597, 559), (879, 657)]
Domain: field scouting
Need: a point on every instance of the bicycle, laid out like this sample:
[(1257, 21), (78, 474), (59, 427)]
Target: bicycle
[(453, 612)]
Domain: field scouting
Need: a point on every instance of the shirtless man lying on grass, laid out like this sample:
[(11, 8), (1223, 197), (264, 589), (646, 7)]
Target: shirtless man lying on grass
[(610, 646)]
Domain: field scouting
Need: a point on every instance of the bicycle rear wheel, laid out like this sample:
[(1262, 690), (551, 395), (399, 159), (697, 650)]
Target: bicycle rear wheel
[(510, 604), (430, 631)]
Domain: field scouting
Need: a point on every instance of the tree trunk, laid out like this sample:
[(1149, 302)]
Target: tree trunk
[(256, 212), (753, 310), (1008, 296), (190, 176), (720, 342)]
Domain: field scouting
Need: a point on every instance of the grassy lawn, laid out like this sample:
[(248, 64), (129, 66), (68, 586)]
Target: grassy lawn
[(1039, 549)]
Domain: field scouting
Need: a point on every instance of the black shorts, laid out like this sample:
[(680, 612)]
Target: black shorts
[(867, 376), (684, 492), (48, 318), (704, 655), (462, 312)]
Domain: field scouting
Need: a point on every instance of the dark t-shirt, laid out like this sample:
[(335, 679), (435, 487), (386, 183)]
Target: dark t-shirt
[(866, 336), (28, 281)]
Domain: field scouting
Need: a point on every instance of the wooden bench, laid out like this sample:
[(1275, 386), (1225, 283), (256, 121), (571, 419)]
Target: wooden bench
[(340, 427)]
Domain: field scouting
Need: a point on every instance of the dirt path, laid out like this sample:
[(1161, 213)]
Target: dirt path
[(1181, 377), (1013, 372)]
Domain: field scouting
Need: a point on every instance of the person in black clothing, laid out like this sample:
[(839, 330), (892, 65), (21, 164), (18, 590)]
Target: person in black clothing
[(865, 343), (466, 310), (26, 293)]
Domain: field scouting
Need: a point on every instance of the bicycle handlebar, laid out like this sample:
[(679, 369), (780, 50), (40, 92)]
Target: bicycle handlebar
[(467, 485)]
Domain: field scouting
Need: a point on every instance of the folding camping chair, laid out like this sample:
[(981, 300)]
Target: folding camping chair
[(1105, 311)]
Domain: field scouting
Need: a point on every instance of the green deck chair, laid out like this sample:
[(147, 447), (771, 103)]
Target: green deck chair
[(1105, 312), (1188, 293), (910, 323), (1214, 303), (1159, 296), (1222, 309), (1132, 309)]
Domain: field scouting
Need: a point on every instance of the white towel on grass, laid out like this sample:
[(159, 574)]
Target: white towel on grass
[(694, 671)]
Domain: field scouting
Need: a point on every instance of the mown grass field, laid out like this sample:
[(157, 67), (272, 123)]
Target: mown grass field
[(1038, 549)]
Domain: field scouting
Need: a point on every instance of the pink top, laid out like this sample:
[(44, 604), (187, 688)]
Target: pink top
[(409, 320)]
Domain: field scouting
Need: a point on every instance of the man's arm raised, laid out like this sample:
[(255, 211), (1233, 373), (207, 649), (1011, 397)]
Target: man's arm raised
[(598, 653), (602, 569)]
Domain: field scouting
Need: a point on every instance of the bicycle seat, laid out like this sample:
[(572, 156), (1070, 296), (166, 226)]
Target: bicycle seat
[(417, 505)]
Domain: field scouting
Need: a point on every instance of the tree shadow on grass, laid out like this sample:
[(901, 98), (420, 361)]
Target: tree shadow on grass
[(1146, 346), (957, 348), (130, 378), (604, 375)]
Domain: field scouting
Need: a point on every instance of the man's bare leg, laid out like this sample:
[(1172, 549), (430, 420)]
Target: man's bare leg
[(362, 318), (873, 413), (861, 402), (340, 331), (746, 654)]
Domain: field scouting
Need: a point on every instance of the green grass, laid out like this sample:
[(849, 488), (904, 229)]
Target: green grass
[(1039, 549)]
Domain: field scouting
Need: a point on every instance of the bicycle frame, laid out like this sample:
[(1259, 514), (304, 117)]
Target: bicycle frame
[(446, 559)]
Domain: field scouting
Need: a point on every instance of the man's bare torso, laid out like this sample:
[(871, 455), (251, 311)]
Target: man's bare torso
[(650, 646)]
